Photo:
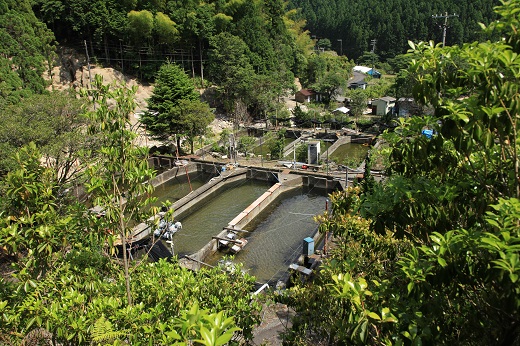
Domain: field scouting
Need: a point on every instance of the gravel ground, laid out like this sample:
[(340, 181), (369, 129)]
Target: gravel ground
[(276, 320)]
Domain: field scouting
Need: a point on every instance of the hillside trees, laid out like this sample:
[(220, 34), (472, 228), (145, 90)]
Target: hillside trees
[(231, 69), (328, 74), (162, 119), (194, 117), (55, 122), (25, 45), (138, 35), (392, 23)]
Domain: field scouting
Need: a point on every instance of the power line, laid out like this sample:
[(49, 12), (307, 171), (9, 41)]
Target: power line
[(445, 25)]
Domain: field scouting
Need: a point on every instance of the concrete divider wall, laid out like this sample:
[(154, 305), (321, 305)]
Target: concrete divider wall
[(211, 168), (322, 182), (262, 174), (183, 205), (172, 173), (242, 219)]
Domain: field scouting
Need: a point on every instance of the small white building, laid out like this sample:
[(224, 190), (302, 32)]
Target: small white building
[(383, 105), (367, 70)]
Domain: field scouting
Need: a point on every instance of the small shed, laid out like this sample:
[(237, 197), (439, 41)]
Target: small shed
[(383, 105), (306, 96), (358, 85)]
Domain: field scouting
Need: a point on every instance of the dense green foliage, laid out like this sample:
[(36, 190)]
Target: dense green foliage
[(431, 254), (392, 23), (172, 85), (65, 287), (175, 108), (25, 45), (140, 35), (55, 123)]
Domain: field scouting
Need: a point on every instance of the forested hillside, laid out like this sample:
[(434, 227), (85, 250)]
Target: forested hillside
[(138, 36), (25, 45), (392, 23)]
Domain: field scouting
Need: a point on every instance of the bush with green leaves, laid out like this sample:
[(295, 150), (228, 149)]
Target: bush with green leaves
[(80, 305), (437, 242)]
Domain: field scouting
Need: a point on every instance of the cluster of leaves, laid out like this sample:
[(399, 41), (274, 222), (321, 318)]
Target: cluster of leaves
[(437, 242), (175, 107), (55, 122), (275, 143), (26, 44), (80, 304)]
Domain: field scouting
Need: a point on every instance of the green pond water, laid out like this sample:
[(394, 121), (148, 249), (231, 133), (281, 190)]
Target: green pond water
[(348, 153), (213, 214), (176, 188), (276, 238)]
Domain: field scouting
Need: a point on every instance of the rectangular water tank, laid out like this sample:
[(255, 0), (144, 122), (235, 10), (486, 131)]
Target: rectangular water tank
[(308, 246)]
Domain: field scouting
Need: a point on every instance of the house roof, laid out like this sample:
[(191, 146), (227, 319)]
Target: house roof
[(307, 92), (343, 110), (386, 99)]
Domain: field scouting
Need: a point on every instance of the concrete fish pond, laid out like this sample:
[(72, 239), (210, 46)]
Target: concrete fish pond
[(275, 236), (271, 210)]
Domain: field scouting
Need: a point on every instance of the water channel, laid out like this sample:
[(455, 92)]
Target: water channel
[(212, 215), (178, 187), (276, 238)]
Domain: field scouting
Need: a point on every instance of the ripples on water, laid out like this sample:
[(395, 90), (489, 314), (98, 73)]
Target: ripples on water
[(277, 237), (215, 214)]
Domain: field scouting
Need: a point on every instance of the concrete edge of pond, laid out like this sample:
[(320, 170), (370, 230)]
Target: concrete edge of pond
[(243, 218), (286, 177)]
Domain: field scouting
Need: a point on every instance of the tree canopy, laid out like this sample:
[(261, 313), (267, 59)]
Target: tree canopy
[(55, 122), (25, 45), (172, 86), (392, 24)]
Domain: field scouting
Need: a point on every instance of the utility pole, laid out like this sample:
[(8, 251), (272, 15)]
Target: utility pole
[(445, 25), (340, 46), (373, 43)]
